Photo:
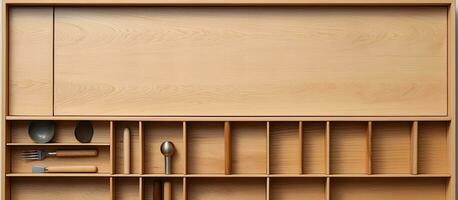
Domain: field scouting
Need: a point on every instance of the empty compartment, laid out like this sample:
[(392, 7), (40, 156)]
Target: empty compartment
[(249, 147), (432, 147), (134, 151), (155, 133), (297, 188), (314, 147), (205, 153), (388, 188), (348, 147), (391, 147), (102, 160), (226, 188), (176, 187), (284, 148), (64, 132), (127, 188), (58, 188)]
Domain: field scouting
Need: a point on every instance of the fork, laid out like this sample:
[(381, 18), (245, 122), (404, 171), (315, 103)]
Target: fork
[(42, 154)]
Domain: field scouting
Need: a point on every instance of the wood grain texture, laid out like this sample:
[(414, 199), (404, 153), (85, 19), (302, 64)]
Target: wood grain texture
[(391, 147), (31, 61), (348, 147), (432, 147), (219, 61), (51, 188), (284, 148), (205, 153), (249, 144), (314, 148), (134, 147), (64, 132), (177, 188), (126, 189), (234, 188), (297, 188), (377, 189), (155, 134)]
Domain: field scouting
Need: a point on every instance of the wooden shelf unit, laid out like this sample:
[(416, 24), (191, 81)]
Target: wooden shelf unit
[(263, 99)]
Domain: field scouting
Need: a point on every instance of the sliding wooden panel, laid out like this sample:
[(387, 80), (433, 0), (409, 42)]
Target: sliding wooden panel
[(363, 61), (30, 61)]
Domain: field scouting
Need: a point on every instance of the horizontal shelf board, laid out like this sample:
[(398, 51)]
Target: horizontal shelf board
[(231, 118), (58, 144), (228, 176), (235, 2)]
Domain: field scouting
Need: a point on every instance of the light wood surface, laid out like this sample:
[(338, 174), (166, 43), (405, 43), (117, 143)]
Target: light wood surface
[(380, 54), (134, 148), (348, 147), (297, 188), (31, 61), (166, 191), (391, 147), (176, 184), (314, 147), (399, 189), (432, 147), (48, 188), (227, 148), (205, 147), (126, 150), (249, 141), (126, 188), (284, 146), (72, 169), (235, 188)]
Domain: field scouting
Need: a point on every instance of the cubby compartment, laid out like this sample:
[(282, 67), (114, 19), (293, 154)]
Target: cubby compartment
[(349, 147), (297, 188), (58, 188), (205, 147), (64, 132), (391, 147), (149, 188), (314, 147), (226, 188), (388, 188), (126, 188), (433, 147), (135, 147), (20, 165), (155, 133), (249, 147), (284, 148)]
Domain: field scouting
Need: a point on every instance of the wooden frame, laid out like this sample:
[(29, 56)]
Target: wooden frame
[(326, 173)]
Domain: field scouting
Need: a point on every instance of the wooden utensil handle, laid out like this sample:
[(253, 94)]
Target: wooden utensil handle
[(167, 191), (126, 141), (77, 153), (72, 169)]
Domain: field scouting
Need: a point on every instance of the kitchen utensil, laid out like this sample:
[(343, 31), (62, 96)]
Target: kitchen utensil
[(157, 190), (64, 169), (126, 142), (167, 194), (42, 154), (84, 131), (41, 131), (167, 149)]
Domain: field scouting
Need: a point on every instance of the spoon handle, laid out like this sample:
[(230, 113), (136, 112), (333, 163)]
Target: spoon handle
[(126, 140), (168, 169)]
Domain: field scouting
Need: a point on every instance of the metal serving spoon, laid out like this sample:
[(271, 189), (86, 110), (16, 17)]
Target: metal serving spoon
[(167, 149)]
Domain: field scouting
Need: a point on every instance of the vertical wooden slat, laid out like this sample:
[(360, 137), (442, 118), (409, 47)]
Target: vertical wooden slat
[(185, 153), (268, 148), (414, 148), (185, 192), (142, 146), (112, 147), (301, 147), (4, 181), (328, 189), (451, 72), (112, 188), (268, 188), (140, 188), (369, 148), (327, 143), (227, 148)]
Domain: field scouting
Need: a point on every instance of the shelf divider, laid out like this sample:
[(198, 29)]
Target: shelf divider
[(142, 146), (301, 147), (414, 148), (227, 147), (267, 188), (268, 147), (369, 147), (112, 188), (327, 146), (140, 188), (185, 149), (185, 194), (112, 148)]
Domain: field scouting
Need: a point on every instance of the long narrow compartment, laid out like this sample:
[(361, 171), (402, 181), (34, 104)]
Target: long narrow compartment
[(226, 188), (249, 150), (314, 147), (205, 147), (391, 147), (348, 146), (284, 148), (152, 186), (297, 188), (126, 188), (433, 147), (155, 133)]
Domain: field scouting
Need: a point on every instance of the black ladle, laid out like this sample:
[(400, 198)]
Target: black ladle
[(84, 131)]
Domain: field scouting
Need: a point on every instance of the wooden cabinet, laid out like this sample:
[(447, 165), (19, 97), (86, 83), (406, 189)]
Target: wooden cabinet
[(262, 99)]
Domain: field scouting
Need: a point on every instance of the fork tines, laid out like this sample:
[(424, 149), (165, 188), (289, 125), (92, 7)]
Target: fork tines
[(32, 154)]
